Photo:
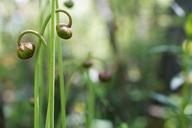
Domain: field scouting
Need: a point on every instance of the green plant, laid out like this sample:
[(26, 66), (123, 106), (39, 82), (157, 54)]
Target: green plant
[(26, 50), (61, 69), (51, 66), (186, 95)]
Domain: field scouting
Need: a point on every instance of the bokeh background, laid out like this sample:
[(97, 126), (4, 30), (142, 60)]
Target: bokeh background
[(140, 42)]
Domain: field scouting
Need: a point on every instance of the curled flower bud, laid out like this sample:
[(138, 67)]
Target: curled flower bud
[(69, 3), (25, 50), (105, 76), (87, 64), (64, 31)]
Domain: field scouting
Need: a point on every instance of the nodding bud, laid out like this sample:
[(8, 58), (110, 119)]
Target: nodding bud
[(69, 3), (25, 50), (105, 76), (87, 64), (64, 31)]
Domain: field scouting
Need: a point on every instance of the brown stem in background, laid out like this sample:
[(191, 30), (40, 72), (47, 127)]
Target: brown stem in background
[(105, 10), (119, 74)]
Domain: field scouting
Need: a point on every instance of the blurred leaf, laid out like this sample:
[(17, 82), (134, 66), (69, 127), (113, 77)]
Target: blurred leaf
[(187, 47), (171, 123), (165, 48), (123, 125), (188, 25), (164, 100)]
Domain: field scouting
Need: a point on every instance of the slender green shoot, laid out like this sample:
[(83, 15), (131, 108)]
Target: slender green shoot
[(90, 102), (51, 70), (61, 75)]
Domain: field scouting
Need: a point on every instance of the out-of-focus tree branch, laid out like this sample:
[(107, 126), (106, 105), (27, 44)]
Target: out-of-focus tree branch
[(106, 13)]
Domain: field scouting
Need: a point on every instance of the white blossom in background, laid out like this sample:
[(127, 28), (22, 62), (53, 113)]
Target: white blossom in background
[(179, 80), (93, 73)]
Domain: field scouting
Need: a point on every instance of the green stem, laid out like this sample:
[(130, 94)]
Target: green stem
[(36, 98), (58, 123), (186, 90), (31, 32), (61, 76), (38, 79), (40, 73), (51, 70), (37, 90), (90, 103), (68, 15), (41, 83), (186, 87)]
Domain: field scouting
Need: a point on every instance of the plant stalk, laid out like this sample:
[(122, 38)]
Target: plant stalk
[(90, 102), (51, 70), (61, 75)]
